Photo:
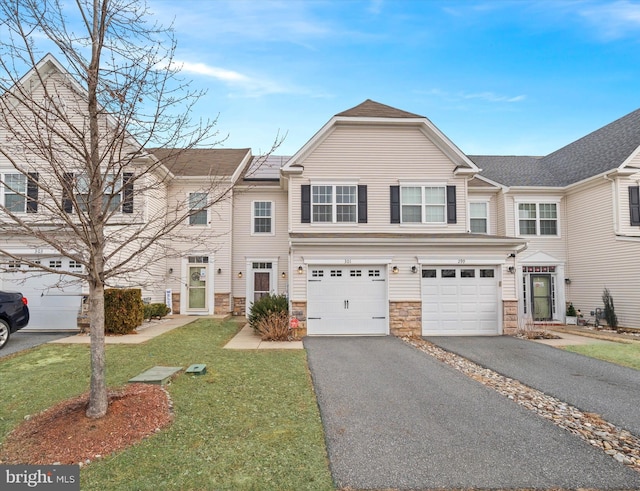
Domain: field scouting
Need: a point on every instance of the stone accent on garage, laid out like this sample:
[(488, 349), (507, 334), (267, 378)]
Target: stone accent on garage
[(222, 303), (405, 318), (510, 317), (299, 311)]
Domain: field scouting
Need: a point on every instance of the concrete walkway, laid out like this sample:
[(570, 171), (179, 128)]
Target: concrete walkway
[(247, 339), (571, 339), (147, 331)]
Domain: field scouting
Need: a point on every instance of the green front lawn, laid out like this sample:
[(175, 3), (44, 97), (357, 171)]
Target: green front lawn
[(627, 355), (251, 422)]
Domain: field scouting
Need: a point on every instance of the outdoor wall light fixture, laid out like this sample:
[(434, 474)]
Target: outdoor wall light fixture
[(240, 274), (300, 270), (414, 269), (219, 270), (513, 254), (512, 269), (170, 270), (284, 275), (567, 281), (395, 270)]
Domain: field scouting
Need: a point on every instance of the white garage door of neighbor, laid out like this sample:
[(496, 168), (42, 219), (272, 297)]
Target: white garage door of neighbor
[(459, 301), (54, 303), (347, 300)]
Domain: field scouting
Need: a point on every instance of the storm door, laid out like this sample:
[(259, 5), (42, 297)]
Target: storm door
[(261, 284), (541, 297)]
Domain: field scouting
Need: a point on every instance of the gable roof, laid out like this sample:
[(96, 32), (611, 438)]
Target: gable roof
[(194, 162), (600, 151), (605, 149), (373, 109)]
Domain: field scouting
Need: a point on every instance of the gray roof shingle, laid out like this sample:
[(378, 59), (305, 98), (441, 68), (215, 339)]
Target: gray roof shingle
[(600, 151), (219, 162), (373, 109)]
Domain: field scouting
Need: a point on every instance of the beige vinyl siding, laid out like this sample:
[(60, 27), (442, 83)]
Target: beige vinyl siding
[(379, 157), (213, 239), (597, 259), (246, 245)]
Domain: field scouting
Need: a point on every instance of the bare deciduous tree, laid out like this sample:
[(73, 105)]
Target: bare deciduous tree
[(77, 143)]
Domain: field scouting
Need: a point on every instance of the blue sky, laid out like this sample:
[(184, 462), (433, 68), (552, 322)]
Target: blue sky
[(497, 77)]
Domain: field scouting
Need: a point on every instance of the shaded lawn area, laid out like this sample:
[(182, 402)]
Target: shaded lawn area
[(627, 355), (251, 422)]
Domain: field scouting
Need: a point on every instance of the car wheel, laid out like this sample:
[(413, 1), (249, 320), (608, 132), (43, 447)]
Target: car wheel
[(4, 333)]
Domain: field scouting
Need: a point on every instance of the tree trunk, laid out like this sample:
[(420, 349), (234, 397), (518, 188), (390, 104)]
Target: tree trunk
[(98, 401)]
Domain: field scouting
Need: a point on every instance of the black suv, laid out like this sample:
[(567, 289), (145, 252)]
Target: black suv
[(14, 314)]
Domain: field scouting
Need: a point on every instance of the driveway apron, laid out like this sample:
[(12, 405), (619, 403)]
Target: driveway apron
[(591, 385), (394, 417)]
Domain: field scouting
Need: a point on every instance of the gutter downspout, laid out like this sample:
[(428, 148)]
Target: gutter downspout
[(616, 207)]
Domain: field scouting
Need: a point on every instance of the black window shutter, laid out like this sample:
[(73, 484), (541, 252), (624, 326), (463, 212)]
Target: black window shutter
[(306, 203), (362, 203), (127, 192), (395, 203), (32, 193), (634, 204), (451, 204), (67, 192)]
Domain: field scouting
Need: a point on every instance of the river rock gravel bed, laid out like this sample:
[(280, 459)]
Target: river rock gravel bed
[(620, 444)]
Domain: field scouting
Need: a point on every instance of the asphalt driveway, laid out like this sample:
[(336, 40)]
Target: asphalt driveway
[(590, 385), (395, 417), (22, 340)]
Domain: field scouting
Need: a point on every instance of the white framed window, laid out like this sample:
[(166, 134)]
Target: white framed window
[(423, 204), (14, 192), (197, 215), (479, 217), (334, 203), (112, 192), (262, 217), (538, 219)]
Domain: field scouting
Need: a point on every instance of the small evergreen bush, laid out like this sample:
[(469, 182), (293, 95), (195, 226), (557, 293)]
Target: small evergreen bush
[(158, 310), (123, 310), (266, 305), (571, 311), (609, 309)]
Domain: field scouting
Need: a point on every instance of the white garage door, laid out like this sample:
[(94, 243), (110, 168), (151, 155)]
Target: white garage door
[(54, 303), (347, 300), (459, 301)]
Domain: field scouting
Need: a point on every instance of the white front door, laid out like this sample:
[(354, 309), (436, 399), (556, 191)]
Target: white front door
[(460, 301), (197, 286), (347, 300)]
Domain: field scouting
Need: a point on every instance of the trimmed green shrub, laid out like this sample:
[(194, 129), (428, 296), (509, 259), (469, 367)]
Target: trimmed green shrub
[(158, 310), (571, 311), (609, 309), (266, 305), (123, 310)]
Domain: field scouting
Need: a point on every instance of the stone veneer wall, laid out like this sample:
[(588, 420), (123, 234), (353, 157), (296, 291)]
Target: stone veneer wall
[(299, 311), (222, 303), (239, 305), (175, 303), (510, 317), (405, 318)]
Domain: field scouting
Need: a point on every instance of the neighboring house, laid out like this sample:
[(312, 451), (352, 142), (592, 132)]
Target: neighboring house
[(380, 225)]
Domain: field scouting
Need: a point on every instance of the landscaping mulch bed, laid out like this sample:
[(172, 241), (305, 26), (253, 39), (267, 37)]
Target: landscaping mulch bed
[(63, 434)]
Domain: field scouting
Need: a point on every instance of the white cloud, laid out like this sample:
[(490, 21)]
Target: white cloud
[(482, 96), (613, 20), (236, 81)]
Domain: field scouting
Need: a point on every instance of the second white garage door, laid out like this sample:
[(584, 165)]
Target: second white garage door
[(345, 300), (459, 301)]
